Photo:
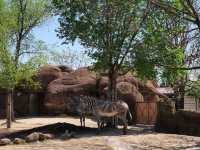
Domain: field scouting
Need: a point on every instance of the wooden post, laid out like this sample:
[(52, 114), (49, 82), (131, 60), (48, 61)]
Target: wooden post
[(9, 108)]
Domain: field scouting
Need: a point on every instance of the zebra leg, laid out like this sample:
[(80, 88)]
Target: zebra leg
[(99, 126), (102, 124), (116, 121), (81, 120), (84, 121), (98, 123), (125, 124)]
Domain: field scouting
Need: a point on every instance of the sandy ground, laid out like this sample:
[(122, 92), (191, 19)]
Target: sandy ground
[(138, 138)]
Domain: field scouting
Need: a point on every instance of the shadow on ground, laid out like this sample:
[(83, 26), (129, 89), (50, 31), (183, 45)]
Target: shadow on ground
[(58, 129)]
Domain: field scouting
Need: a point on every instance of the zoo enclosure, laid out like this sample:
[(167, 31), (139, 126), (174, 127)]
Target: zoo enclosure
[(146, 112)]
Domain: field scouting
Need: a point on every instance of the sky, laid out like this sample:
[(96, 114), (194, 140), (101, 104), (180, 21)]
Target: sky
[(46, 32)]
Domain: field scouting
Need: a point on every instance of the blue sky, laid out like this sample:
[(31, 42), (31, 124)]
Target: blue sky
[(46, 32)]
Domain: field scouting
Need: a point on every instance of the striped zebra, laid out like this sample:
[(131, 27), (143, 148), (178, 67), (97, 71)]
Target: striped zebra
[(103, 109)]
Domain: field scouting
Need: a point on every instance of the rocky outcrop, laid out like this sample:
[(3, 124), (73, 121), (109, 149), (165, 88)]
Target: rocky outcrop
[(61, 87), (48, 73), (65, 68), (62, 93), (126, 91)]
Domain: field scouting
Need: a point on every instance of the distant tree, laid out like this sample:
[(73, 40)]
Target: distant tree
[(18, 18), (74, 59)]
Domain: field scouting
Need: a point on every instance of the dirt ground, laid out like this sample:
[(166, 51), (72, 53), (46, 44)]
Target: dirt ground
[(138, 138)]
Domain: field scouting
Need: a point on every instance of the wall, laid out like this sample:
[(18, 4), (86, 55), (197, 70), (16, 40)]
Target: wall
[(24, 104), (191, 104), (179, 122), (2, 105)]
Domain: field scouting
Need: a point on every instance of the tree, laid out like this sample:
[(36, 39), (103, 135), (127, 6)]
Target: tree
[(27, 14), (161, 48), (18, 18), (73, 59), (189, 11), (11, 77), (109, 29)]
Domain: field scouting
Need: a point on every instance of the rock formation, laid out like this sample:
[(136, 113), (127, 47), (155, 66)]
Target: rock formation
[(62, 86)]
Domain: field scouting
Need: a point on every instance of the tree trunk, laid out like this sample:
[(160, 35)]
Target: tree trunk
[(113, 85), (12, 106), (17, 52), (9, 107), (113, 94)]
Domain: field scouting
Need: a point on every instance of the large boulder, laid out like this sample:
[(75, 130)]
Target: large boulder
[(19, 141), (150, 92), (48, 73), (62, 93), (129, 93), (45, 136), (65, 68), (104, 81), (130, 79), (33, 137), (5, 141)]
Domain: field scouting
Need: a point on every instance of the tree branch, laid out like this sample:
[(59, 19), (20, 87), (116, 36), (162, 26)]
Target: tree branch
[(174, 11), (135, 33)]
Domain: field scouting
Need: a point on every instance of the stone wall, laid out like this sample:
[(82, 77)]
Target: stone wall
[(179, 122), (2, 105)]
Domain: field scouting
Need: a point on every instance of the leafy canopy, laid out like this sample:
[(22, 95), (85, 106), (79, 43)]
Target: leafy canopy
[(108, 28), (32, 14), (162, 48)]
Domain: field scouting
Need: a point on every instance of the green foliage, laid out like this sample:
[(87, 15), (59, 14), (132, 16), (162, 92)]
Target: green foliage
[(159, 51), (11, 77), (193, 89), (108, 29), (6, 23), (114, 34), (17, 22), (7, 70), (33, 13)]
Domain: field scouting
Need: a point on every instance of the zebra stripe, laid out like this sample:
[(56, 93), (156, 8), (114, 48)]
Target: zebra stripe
[(101, 109)]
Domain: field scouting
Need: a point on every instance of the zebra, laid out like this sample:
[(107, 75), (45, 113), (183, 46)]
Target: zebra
[(103, 109)]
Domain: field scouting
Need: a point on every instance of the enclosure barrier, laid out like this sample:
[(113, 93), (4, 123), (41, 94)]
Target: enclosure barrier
[(179, 122)]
